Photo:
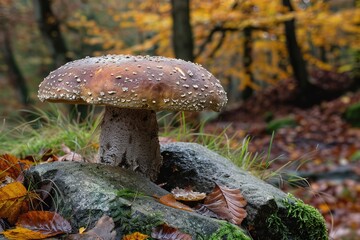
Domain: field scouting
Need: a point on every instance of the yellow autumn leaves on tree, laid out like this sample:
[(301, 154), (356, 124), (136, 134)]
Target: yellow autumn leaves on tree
[(144, 27)]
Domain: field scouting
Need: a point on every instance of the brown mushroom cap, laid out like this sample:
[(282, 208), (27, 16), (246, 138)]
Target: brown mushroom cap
[(139, 82)]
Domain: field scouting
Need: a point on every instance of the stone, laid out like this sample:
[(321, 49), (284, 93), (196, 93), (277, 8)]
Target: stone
[(192, 165), (85, 192)]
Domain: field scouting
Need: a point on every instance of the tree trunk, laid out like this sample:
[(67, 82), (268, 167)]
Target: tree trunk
[(248, 91), (50, 29), (296, 59), (16, 78), (182, 31)]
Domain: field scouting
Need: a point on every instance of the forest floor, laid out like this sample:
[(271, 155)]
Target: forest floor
[(317, 144)]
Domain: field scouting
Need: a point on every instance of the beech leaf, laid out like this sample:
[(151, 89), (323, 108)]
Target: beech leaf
[(44, 222), (166, 232), (169, 200), (12, 201), (227, 204)]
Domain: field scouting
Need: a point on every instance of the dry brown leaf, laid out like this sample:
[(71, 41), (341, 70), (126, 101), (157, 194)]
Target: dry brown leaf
[(203, 210), (166, 232), (135, 236), (12, 201), (169, 200), (47, 155), (11, 166), (187, 195), (227, 203), (70, 155), (44, 222), (104, 229)]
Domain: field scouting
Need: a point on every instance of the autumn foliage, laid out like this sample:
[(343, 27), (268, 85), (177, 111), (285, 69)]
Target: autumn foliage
[(144, 27)]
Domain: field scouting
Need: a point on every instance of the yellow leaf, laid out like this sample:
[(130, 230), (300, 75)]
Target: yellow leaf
[(82, 230), (12, 200), (12, 166), (23, 234), (135, 236)]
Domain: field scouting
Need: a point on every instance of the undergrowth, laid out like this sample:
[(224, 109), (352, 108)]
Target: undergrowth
[(51, 129), (48, 131)]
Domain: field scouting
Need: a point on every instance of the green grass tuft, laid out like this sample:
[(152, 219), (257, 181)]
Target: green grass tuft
[(49, 130)]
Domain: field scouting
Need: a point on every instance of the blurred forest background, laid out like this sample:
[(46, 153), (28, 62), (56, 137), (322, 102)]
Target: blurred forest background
[(288, 66)]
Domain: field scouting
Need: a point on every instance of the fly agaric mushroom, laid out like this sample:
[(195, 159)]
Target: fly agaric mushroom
[(132, 88)]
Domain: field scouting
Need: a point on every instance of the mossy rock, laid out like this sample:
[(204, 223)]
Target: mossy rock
[(352, 114), (83, 192), (306, 221), (278, 123), (189, 164)]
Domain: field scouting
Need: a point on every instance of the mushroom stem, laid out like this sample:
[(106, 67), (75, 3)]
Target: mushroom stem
[(129, 138)]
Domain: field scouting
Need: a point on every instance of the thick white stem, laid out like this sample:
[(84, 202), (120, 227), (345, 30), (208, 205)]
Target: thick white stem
[(129, 139)]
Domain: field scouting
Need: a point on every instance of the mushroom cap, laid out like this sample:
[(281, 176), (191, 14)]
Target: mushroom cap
[(140, 82)]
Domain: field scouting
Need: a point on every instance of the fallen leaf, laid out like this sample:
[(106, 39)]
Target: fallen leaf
[(135, 236), (70, 155), (169, 200), (45, 222), (104, 229), (166, 232), (203, 210), (23, 234), (11, 166), (82, 230), (48, 155), (12, 201), (227, 203), (187, 195)]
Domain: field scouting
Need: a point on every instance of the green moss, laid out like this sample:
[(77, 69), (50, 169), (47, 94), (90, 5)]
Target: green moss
[(277, 226), (280, 123), (130, 222), (229, 232), (352, 114), (310, 224), (129, 194)]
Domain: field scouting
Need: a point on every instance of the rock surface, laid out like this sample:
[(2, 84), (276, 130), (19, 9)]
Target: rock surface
[(87, 191), (190, 164)]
